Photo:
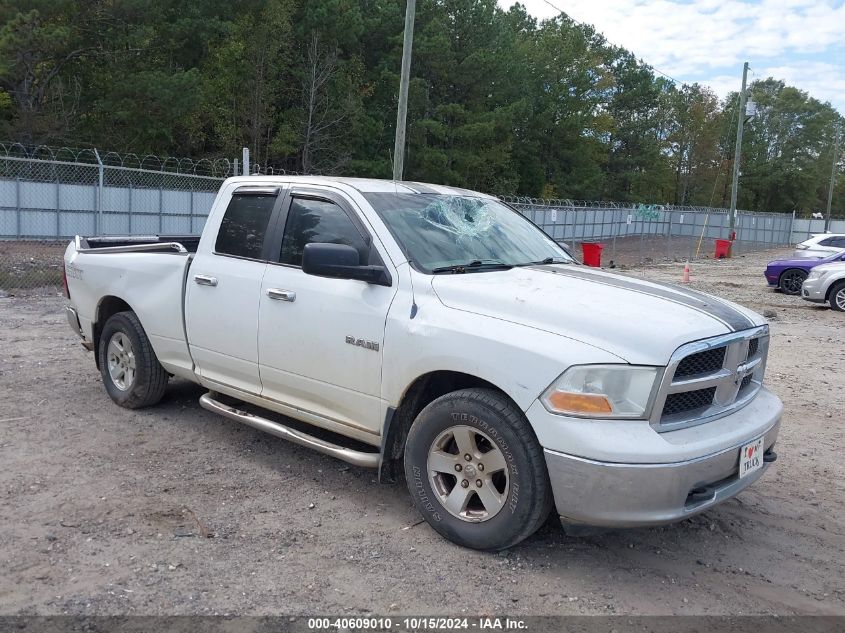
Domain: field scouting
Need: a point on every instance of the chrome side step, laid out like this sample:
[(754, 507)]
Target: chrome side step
[(356, 458)]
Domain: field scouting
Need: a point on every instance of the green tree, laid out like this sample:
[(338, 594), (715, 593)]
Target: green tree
[(40, 40), (247, 78), (498, 101), (695, 123), (784, 149)]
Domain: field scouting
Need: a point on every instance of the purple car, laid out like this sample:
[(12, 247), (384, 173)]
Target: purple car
[(789, 274)]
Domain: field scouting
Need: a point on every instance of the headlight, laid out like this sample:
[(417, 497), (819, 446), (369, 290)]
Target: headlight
[(815, 274), (602, 391)]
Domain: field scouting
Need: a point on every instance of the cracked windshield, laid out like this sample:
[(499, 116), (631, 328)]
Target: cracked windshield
[(444, 233)]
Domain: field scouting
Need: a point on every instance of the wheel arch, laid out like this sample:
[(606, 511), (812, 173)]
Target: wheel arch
[(835, 284), (422, 390)]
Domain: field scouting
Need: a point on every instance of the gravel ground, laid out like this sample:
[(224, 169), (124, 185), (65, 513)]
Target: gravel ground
[(173, 510)]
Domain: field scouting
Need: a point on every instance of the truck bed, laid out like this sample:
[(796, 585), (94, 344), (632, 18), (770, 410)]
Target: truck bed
[(140, 243), (148, 274)]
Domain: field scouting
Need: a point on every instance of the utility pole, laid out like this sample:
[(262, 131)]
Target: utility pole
[(402, 111), (738, 150), (832, 180)]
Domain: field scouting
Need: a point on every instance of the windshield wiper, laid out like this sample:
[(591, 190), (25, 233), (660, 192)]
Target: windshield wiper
[(476, 264), (548, 260)]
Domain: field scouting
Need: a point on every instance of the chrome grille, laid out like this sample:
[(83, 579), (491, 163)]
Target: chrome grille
[(701, 363), (709, 379), (753, 345), (684, 401)]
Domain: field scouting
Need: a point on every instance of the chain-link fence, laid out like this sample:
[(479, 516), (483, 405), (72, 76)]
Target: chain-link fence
[(47, 197), (633, 234)]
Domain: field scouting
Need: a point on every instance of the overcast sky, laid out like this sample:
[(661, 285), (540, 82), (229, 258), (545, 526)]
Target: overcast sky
[(799, 41)]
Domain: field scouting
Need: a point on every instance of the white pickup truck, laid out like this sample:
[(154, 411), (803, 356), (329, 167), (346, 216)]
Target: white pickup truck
[(397, 324)]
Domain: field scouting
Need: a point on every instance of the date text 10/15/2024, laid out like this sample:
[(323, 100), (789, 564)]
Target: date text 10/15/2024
[(417, 624)]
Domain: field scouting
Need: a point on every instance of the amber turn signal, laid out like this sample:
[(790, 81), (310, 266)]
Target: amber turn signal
[(591, 403)]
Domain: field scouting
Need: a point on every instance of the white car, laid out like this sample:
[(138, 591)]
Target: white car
[(821, 245), (826, 283), (437, 331)]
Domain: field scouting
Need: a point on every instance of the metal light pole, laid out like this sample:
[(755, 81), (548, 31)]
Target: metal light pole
[(832, 180), (738, 150), (405, 77)]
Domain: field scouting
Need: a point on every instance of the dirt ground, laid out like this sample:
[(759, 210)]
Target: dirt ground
[(173, 510)]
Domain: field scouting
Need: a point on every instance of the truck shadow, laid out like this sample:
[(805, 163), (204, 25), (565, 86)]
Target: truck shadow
[(719, 525)]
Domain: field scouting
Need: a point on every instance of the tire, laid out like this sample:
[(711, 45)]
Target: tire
[(131, 373), (489, 507), (837, 297), (790, 281)]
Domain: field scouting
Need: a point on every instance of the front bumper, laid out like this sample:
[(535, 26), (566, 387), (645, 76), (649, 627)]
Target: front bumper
[(813, 290), (626, 474), (604, 494)]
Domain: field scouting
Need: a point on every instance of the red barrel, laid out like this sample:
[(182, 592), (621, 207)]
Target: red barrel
[(723, 249), (592, 253)]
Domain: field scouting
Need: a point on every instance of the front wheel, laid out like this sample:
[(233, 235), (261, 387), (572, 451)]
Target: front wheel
[(476, 471), (837, 297), (791, 281), (131, 373)]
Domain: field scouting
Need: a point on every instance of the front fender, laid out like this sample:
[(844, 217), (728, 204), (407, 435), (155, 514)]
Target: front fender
[(423, 336)]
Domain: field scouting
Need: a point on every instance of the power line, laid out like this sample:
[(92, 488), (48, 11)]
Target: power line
[(646, 64)]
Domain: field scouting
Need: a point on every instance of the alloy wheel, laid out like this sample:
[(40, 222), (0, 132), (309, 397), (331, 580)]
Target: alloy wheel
[(839, 298), (791, 282), (468, 473), (121, 361)]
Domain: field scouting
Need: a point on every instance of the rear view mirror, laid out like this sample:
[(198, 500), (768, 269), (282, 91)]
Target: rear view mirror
[(340, 261)]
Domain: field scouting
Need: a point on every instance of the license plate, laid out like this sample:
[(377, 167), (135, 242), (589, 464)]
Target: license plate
[(751, 458)]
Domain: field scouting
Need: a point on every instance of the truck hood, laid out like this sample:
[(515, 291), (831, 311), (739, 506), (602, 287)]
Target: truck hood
[(639, 321)]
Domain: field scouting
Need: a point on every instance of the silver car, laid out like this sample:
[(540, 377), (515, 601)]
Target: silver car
[(826, 283)]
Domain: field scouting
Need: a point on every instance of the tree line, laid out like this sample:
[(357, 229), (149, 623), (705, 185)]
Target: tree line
[(498, 101)]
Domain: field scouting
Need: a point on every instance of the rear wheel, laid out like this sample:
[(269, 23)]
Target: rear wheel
[(791, 280), (131, 373), (837, 297), (476, 471)]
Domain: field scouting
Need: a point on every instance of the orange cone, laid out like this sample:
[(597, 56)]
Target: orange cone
[(686, 273)]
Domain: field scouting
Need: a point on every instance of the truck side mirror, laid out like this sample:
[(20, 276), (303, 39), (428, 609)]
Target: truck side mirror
[(340, 261)]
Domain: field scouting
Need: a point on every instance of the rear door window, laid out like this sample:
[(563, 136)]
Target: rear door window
[(244, 225)]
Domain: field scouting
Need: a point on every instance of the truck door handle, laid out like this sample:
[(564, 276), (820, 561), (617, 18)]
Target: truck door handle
[(205, 280), (281, 295)]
